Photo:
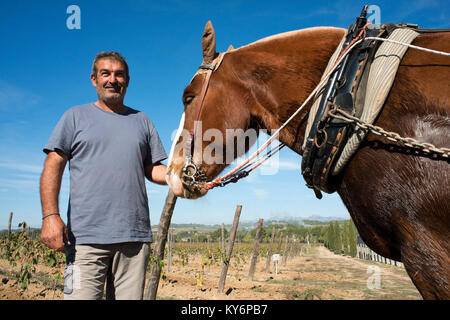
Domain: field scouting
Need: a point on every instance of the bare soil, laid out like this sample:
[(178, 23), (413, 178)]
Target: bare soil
[(316, 274), (43, 284)]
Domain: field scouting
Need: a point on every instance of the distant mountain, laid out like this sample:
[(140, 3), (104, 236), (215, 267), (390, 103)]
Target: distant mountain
[(324, 219), (303, 221), (250, 224)]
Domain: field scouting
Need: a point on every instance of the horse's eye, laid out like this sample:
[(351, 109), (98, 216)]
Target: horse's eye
[(187, 100)]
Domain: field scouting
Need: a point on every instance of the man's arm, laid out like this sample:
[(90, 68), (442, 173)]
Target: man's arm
[(54, 232), (156, 173)]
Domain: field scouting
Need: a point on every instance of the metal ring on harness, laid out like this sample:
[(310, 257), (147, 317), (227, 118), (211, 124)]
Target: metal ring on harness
[(189, 174), (192, 177), (324, 140), (190, 170)]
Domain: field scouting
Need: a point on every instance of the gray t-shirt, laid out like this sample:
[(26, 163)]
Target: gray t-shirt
[(107, 154)]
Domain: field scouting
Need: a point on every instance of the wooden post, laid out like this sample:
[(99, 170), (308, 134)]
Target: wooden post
[(226, 262), (169, 248), (158, 251), (9, 225), (307, 239), (283, 262), (269, 253), (289, 248), (251, 271), (222, 240), (279, 243), (293, 247), (173, 238), (198, 248)]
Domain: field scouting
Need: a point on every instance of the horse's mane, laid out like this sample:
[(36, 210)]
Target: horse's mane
[(286, 36)]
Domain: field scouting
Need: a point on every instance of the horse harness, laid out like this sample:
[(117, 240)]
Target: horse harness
[(344, 92)]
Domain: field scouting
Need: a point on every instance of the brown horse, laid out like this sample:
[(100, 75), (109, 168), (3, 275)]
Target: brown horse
[(399, 202)]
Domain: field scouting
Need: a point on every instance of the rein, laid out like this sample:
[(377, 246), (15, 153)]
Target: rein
[(194, 178)]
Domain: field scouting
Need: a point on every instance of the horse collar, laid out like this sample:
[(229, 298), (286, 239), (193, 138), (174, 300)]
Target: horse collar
[(325, 138), (346, 90)]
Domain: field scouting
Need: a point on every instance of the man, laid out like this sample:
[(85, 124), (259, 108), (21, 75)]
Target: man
[(111, 148)]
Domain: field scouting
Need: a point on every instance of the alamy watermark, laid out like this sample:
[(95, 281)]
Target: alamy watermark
[(213, 146), (374, 280), (74, 20), (374, 14)]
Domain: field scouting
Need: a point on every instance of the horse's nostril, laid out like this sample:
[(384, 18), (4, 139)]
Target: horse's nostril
[(187, 179)]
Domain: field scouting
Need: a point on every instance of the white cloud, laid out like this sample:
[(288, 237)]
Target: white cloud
[(31, 168), (19, 184), (25, 177), (15, 97)]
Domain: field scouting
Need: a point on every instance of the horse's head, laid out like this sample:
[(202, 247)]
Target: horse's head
[(214, 103), (233, 94)]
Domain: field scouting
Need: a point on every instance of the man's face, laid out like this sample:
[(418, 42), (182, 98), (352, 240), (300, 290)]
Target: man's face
[(110, 81)]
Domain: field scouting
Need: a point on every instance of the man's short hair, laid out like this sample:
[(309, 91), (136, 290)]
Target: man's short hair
[(109, 55)]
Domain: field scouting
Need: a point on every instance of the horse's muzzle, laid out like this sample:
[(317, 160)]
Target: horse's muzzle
[(193, 179), (189, 182)]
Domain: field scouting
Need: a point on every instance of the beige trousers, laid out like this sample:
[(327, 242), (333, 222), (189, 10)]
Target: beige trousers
[(121, 265)]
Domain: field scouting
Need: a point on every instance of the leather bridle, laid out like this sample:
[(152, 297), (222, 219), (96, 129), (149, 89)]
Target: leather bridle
[(192, 177)]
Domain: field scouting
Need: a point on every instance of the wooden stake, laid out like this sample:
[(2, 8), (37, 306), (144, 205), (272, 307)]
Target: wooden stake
[(227, 259), (158, 252), (223, 239), (9, 225), (285, 253), (169, 248), (251, 271), (279, 242), (269, 253)]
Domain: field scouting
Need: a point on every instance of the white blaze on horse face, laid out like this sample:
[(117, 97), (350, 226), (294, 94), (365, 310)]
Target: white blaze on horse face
[(175, 140), (172, 179)]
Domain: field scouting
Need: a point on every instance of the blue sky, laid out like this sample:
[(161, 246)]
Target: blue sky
[(45, 70)]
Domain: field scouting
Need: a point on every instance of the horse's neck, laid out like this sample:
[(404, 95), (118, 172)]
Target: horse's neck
[(281, 73)]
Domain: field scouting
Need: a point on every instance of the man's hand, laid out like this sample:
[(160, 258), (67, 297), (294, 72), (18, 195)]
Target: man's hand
[(156, 173), (54, 233)]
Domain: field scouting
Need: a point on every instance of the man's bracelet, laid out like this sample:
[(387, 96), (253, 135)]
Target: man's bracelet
[(50, 214)]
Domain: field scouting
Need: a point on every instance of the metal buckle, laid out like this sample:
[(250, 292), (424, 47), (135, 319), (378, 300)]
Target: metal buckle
[(207, 66)]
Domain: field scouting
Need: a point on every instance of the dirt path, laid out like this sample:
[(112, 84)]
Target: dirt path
[(316, 274)]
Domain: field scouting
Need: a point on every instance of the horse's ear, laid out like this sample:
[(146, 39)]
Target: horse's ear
[(230, 48), (209, 43)]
